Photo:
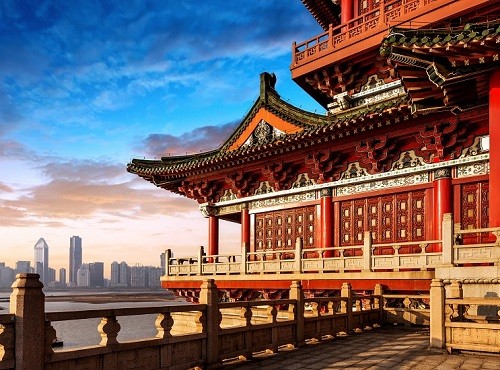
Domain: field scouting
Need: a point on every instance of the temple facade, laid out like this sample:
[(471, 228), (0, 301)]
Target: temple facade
[(392, 185)]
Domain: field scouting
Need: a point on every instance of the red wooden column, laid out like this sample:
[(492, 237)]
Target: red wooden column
[(443, 202), (326, 220), (346, 11), (213, 232), (494, 128), (245, 226)]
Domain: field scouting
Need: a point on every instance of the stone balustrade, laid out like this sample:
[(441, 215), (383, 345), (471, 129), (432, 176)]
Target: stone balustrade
[(414, 255), (210, 333), (216, 331), (458, 323)]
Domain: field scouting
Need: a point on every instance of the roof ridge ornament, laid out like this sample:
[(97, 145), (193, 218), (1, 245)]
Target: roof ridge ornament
[(267, 85)]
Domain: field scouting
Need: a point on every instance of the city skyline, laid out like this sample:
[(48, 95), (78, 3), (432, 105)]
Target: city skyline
[(81, 95)]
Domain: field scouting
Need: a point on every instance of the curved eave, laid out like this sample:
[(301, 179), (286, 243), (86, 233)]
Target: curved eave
[(336, 128), (324, 11)]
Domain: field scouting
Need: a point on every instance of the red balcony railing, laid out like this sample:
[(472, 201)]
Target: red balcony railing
[(386, 14)]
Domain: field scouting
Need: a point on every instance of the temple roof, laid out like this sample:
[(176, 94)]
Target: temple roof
[(325, 12), (271, 127), (445, 67)]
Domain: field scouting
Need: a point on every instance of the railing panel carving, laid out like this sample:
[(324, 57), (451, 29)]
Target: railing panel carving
[(376, 15)]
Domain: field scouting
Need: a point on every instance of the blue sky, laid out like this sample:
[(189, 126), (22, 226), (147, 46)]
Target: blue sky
[(87, 85)]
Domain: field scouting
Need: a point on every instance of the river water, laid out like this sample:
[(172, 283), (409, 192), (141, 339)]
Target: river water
[(81, 333)]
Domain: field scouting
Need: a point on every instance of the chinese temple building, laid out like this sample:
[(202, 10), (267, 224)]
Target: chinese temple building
[(392, 185)]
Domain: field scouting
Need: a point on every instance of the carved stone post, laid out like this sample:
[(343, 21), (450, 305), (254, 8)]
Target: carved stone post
[(437, 329), (346, 306), (448, 240), (210, 296), (298, 255), (164, 323), (367, 251), (456, 289), (378, 292), (7, 344), (297, 293), (27, 303), (109, 329)]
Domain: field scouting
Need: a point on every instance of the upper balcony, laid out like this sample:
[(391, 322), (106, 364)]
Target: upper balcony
[(357, 41)]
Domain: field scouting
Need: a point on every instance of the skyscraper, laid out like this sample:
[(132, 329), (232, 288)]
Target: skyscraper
[(96, 274), (75, 258), (62, 276), (42, 260)]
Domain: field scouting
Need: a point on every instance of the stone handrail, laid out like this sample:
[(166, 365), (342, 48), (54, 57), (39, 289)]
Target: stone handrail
[(378, 19), (427, 254), (471, 323), (485, 252), (252, 326), (406, 309)]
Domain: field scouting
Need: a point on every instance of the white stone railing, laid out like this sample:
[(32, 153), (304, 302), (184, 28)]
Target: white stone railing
[(488, 252), (206, 335), (407, 309), (365, 257), (459, 323)]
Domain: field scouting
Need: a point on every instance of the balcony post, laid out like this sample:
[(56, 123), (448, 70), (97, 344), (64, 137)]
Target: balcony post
[(494, 130), (27, 303), (346, 11), (298, 255), (168, 256), (213, 236), (209, 296), (297, 293), (244, 247), (367, 251), (448, 240), (201, 253), (245, 224), (442, 202), (326, 207), (437, 329)]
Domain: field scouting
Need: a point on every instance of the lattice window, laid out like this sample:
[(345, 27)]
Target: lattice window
[(278, 230), (392, 218), (367, 5)]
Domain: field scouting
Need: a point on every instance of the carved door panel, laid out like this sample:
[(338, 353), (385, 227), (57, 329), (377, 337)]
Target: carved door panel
[(390, 218), (474, 210), (278, 230)]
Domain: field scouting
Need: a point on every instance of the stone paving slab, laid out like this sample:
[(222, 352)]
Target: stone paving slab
[(383, 348)]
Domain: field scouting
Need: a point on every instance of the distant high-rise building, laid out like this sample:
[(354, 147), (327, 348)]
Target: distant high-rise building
[(163, 263), (62, 276), (6, 276), (124, 274), (115, 274), (155, 273), (42, 261), (52, 275), (83, 276), (75, 257), (138, 276), (22, 267), (96, 271)]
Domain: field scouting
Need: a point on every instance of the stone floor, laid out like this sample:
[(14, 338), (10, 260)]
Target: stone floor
[(383, 348)]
